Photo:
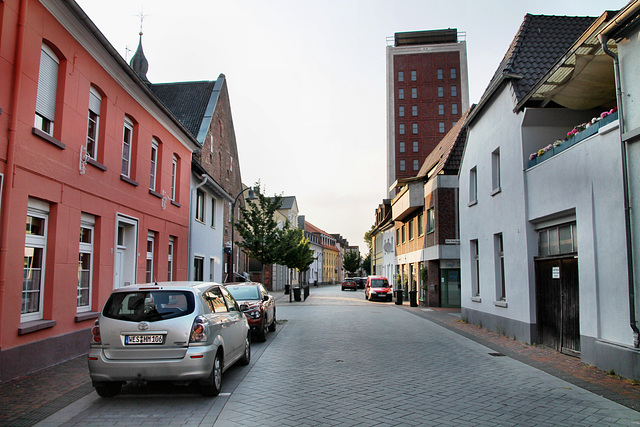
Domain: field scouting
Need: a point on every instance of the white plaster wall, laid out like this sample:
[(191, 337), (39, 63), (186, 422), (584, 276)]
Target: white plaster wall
[(629, 56), (588, 178), (207, 241), (389, 257), (504, 212)]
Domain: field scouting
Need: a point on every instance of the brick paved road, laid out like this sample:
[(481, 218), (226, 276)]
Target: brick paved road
[(339, 360)]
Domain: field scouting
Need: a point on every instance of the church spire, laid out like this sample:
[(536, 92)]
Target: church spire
[(139, 62)]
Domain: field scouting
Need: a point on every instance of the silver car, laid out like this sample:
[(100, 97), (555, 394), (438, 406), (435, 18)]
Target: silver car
[(173, 331)]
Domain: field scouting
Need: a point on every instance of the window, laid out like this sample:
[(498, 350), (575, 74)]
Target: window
[(495, 171), (430, 220), (402, 165), (454, 91), (174, 177), (558, 240), (414, 128), (47, 87), (400, 76), (397, 237), (475, 268), (414, 92), (215, 300), (414, 110), (401, 111), (415, 146), (127, 137), (402, 147), (400, 93), (501, 294), (441, 127), (411, 235), (440, 74), (170, 259), (198, 268), (440, 91), (473, 186), (421, 225), (154, 164), (401, 129), (85, 263), (454, 108), (416, 165), (34, 260), (93, 123), (213, 212), (453, 73), (199, 205), (414, 76), (441, 109), (404, 233), (151, 242)]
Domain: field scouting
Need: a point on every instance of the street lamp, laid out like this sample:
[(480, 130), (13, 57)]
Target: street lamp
[(250, 196)]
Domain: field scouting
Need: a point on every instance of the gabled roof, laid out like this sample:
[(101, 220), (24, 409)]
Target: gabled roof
[(190, 102), (288, 202), (539, 43)]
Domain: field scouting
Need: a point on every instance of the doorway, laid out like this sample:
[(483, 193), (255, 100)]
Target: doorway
[(450, 287), (126, 251)]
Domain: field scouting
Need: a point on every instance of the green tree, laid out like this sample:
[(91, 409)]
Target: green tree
[(368, 237), (259, 230), (295, 249), (351, 261), (366, 264)]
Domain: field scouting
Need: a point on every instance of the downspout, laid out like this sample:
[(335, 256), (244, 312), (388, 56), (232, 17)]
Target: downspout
[(625, 183), (205, 178), (11, 146)]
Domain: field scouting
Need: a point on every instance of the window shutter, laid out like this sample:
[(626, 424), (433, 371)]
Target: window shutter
[(94, 101), (47, 84)]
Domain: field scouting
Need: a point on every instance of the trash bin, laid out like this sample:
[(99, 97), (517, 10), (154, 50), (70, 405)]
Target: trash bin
[(296, 294), (286, 289), (413, 298), (399, 297)]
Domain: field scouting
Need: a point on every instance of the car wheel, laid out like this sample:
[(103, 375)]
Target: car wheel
[(261, 334), (246, 357), (212, 385), (272, 326), (389, 298), (108, 388)]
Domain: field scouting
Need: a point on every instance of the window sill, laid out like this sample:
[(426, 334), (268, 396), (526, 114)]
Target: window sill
[(87, 315), (128, 180), (473, 202), (154, 193), (37, 132), (200, 221), (476, 299), (496, 191), (174, 203), (500, 303), (35, 325), (96, 164)]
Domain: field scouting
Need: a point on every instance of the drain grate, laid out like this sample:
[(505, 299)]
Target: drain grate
[(496, 354)]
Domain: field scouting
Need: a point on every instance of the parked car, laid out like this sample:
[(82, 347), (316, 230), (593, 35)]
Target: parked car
[(378, 287), (172, 331), (258, 305), (360, 281), (349, 284)]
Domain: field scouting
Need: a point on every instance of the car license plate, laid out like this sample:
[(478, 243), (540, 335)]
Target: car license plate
[(143, 339)]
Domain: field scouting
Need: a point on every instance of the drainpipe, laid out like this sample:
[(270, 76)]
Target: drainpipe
[(625, 183), (205, 178), (11, 145)]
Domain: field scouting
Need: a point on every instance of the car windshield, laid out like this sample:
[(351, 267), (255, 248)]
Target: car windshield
[(150, 306), (379, 283), (243, 293)]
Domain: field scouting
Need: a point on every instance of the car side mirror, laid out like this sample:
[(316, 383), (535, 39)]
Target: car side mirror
[(244, 307), (265, 298)]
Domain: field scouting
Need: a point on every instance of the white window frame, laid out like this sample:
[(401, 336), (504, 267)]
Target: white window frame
[(174, 177), (473, 186), (495, 172), (501, 292), (170, 259), (127, 145), (475, 269), (37, 209), (47, 89), (154, 164), (151, 242), (199, 208), (85, 248), (95, 104), (213, 212)]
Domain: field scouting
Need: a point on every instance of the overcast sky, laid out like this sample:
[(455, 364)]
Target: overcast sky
[(307, 80)]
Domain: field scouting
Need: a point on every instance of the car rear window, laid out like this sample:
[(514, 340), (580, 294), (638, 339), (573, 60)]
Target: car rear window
[(150, 306), (241, 293), (379, 283)]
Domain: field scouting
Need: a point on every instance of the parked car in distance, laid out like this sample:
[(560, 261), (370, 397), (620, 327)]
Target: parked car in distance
[(360, 281), (378, 287), (171, 331), (349, 283), (257, 305)]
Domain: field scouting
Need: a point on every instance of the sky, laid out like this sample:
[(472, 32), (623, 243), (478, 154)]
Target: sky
[(307, 80)]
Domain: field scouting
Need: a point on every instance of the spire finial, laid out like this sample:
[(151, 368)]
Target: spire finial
[(142, 16)]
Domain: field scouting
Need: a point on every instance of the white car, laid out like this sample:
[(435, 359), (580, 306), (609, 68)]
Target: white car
[(172, 331)]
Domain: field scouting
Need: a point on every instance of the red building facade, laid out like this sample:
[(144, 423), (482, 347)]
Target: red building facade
[(96, 168)]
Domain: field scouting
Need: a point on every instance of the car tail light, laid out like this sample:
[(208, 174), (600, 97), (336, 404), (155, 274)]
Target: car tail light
[(198, 330), (95, 333)]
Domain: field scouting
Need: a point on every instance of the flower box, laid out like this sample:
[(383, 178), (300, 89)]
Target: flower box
[(609, 119), (591, 130)]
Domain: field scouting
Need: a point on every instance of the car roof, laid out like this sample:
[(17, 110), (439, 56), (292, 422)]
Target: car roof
[(180, 285), (243, 284)]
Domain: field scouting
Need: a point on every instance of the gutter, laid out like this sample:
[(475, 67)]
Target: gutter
[(627, 196)]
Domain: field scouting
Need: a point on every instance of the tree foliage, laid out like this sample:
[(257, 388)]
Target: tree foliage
[(351, 261), (296, 249), (368, 237)]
